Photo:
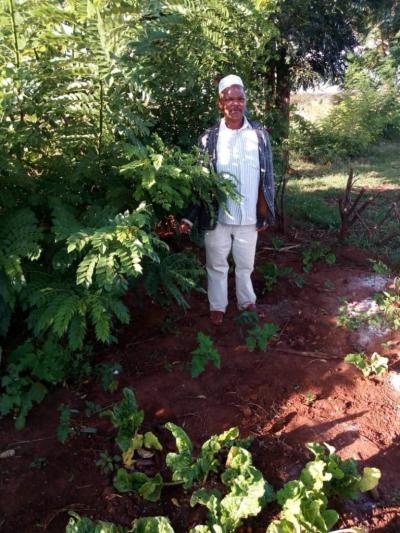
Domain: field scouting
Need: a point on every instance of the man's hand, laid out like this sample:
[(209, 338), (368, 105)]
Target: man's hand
[(184, 228)]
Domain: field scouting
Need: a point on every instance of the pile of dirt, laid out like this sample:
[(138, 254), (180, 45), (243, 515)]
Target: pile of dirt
[(298, 390)]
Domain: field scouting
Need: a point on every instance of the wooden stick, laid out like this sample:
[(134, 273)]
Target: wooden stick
[(300, 353)]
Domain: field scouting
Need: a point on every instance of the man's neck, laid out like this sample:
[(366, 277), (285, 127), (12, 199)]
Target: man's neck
[(234, 124)]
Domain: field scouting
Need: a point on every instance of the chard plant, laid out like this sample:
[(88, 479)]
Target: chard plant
[(376, 364), (187, 469), (305, 501), (128, 418), (151, 524), (248, 492)]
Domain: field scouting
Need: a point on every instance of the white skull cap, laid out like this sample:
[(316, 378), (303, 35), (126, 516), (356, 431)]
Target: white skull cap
[(226, 82)]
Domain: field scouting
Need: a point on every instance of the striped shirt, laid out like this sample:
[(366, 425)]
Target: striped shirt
[(238, 160)]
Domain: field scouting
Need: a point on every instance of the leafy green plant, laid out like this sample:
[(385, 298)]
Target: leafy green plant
[(185, 468), (277, 243), (260, 336), (376, 364), (148, 524), (304, 501), (128, 418), (108, 374), (310, 398), (343, 477), (148, 487), (205, 353), (389, 307), (106, 463), (316, 253), (272, 273), (379, 267), (65, 428), (247, 493)]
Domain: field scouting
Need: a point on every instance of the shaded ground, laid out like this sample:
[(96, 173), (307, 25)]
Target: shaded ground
[(299, 390)]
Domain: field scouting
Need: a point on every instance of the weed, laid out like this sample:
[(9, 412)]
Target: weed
[(128, 418), (65, 430), (247, 318), (272, 273), (310, 398), (108, 374), (260, 336), (39, 463), (316, 253), (379, 267), (277, 243), (92, 408), (389, 306), (205, 353), (376, 365), (106, 463)]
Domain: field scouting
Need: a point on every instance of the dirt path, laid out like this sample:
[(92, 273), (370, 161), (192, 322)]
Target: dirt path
[(299, 390)]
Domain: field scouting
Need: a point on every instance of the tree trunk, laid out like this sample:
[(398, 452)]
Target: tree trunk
[(283, 86)]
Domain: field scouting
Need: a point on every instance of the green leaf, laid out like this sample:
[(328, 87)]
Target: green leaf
[(151, 441), (182, 440), (153, 524), (370, 479)]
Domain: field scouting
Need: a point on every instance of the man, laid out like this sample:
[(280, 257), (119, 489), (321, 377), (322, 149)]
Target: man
[(239, 148)]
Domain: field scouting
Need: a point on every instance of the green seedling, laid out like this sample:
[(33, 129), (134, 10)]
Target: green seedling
[(205, 353), (128, 418), (106, 463), (310, 398), (376, 365), (389, 307), (260, 336), (108, 374), (277, 243), (272, 273), (65, 428), (379, 267), (92, 408), (316, 253)]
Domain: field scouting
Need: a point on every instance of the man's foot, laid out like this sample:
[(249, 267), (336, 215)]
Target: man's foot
[(216, 317)]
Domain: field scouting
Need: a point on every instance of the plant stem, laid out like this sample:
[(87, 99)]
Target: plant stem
[(172, 483), (100, 139), (14, 27)]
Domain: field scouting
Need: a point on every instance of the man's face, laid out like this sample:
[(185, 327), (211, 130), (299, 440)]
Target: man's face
[(232, 103)]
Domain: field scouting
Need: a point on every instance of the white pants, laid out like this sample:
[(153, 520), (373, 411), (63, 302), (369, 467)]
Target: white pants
[(241, 240)]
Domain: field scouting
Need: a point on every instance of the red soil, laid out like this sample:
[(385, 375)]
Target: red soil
[(264, 394)]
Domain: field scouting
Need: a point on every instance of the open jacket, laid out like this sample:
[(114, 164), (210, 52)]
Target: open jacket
[(265, 205)]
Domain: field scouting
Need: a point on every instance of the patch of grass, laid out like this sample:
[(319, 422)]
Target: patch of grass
[(312, 196)]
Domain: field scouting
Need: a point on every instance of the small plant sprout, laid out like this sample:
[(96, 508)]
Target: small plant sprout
[(108, 374), (128, 418), (260, 336), (205, 353), (272, 273), (107, 463), (316, 253), (277, 243), (310, 398), (379, 267), (376, 365)]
